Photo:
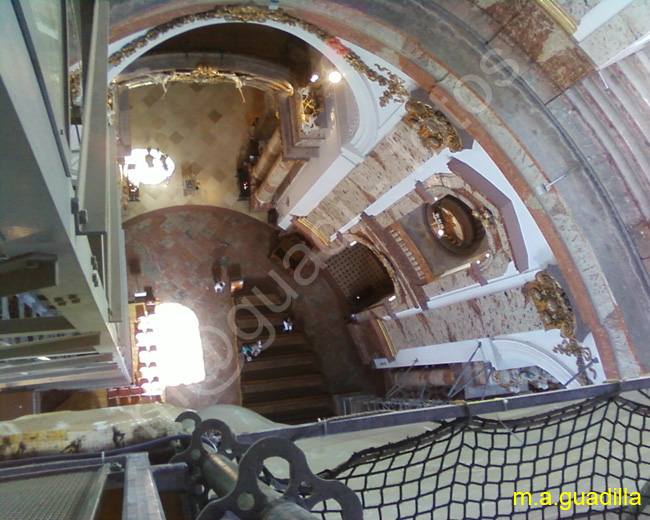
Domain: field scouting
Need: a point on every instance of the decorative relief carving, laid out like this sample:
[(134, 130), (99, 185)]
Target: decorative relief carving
[(395, 90), (206, 74), (74, 82), (555, 309), (552, 304), (433, 127), (572, 347), (411, 252), (311, 105), (516, 380)]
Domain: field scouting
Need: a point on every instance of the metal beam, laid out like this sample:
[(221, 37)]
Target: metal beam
[(93, 185), (115, 258), (141, 499), (107, 381), (101, 372), (55, 346), (34, 326), (445, 412), (57, 364), (30, 272)]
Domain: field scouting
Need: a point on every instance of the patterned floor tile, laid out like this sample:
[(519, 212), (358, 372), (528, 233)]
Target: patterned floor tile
[(177, 249), (203, 130)]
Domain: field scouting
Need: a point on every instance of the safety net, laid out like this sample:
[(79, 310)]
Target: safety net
[(590, 459)]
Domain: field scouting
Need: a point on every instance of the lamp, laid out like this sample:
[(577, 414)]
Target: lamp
[(334, 77)]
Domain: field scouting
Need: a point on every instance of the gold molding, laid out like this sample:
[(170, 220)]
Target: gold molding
[(572, 347), (563, 19), (313, 230), (395, 89), (204, 74), (552, 304), (433, 127), (74, 83), (389, 341)]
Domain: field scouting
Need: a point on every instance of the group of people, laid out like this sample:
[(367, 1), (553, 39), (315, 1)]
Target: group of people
[(255, 349)]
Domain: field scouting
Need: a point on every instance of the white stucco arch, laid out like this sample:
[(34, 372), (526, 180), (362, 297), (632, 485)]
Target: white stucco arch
[(524, 349), (367, 133)]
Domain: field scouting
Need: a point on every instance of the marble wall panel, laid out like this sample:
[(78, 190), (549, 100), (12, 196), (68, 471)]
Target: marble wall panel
[(394, 158), (548, 45), (631, 24), (526, 24), (506, 312), (577, 10)]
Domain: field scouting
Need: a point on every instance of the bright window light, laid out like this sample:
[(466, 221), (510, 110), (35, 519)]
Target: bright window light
[(178, 341), (148, 166)]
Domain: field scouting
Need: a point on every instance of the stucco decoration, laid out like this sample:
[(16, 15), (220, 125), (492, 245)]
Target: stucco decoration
[(572, 347), (395, 90), (433, 127), (204, 73), (552, 304)]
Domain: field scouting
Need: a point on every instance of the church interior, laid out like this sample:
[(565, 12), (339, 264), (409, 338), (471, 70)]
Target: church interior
[(283, 214)]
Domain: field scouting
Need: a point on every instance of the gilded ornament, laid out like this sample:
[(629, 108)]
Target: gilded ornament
[(395, 90), (552, 304), (572, 347), (517, 379), (205, 74), (433, 127), (74, 82)]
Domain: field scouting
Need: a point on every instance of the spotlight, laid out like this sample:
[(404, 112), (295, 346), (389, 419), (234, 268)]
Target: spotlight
[(314, 78), (392, 298), (441, 232), (334, 76), (354, 242)]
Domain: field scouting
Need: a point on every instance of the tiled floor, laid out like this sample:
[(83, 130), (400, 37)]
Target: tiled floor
[(204, 129), (176, 250)]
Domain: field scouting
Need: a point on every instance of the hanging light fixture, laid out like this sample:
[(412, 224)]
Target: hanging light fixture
[(335, 76)]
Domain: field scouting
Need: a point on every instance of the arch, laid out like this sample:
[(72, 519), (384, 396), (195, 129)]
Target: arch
[(533, 348), (444, 57), (366, 134)]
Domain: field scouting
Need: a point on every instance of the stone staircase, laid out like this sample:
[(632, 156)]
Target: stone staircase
[(283, 383)]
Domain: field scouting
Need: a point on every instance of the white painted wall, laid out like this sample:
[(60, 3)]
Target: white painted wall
[(538, 250), (533, 348)]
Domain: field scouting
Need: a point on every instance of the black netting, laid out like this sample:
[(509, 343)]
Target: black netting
[(471, 468)]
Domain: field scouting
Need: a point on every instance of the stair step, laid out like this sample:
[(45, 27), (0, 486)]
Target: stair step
[(274, 396), (266, 327), (284, 351), (301, 404), (288, 338), (249, 322), (275, 373), (253, 299), (280, 362), (302, 381)]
